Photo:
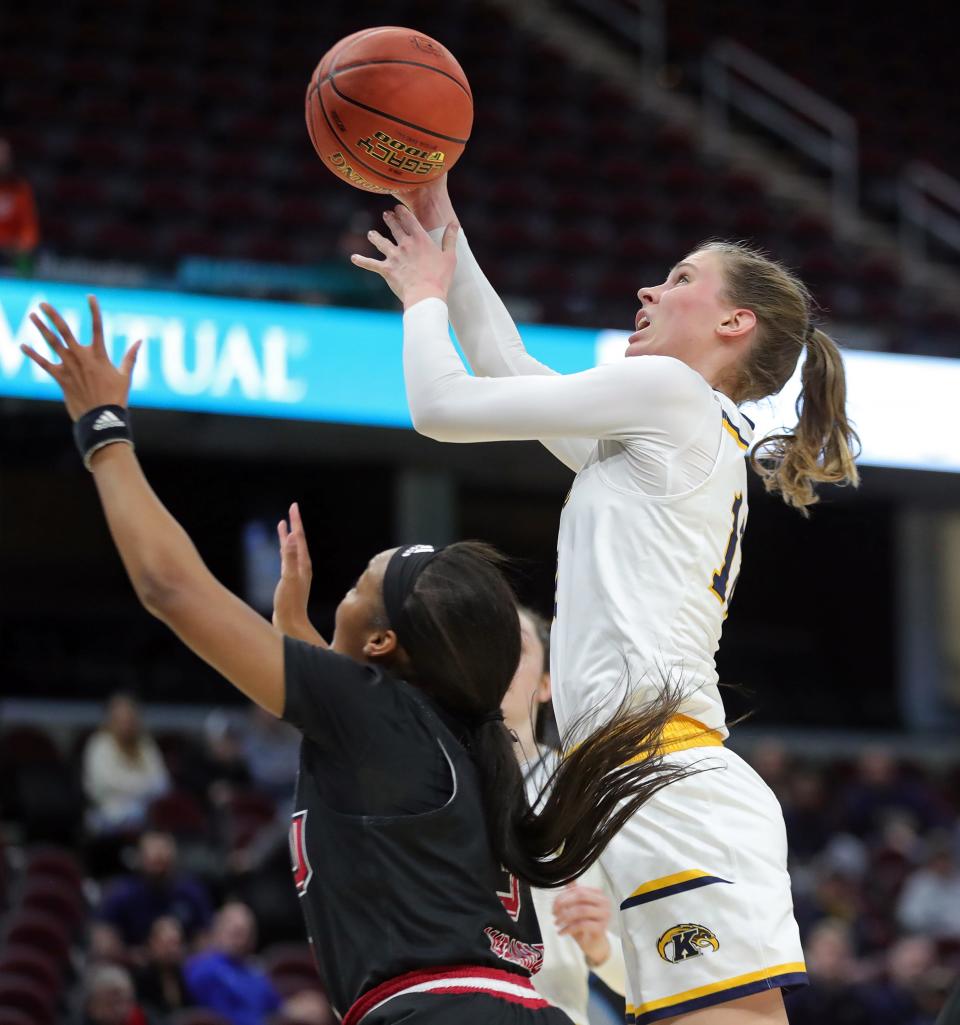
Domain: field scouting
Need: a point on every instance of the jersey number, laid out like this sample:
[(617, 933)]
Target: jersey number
[(302, 872), (510, 894), (720, 585)]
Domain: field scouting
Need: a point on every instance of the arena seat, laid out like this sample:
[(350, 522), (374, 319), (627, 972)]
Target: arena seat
[(32, 963), (25, 994)]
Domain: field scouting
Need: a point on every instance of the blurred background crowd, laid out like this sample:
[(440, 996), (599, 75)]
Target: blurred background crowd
[(159, 144), (147, 872)]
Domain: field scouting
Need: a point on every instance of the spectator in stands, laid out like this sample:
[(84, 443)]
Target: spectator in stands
[(123, 770), (308, 1007), (161, 987), (804, 813), (132, 904), (271, 748), (19, 231), (772, 763), (225, 979), (880, 789), (217, 766), (832, 997), (900, 995), (930, 901), (108, 998)]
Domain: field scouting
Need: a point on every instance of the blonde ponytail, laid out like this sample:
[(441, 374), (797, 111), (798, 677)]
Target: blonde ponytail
[(822, 447)]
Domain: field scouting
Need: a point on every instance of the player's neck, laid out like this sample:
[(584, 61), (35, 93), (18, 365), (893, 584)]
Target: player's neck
[(525, 747)]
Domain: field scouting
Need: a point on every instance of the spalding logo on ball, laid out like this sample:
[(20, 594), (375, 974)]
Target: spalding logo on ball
[(389, 109)]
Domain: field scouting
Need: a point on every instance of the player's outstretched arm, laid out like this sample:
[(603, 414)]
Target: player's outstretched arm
[(167, 573), (482, 323), (293, 589), (447, 404)]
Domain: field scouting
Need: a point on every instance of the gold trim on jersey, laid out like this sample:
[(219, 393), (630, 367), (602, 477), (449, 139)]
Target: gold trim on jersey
[(730, 427), (673, 880), (683, 732), (680, 733), (771, 974)]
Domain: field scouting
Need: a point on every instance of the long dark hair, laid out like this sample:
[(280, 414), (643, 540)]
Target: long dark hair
[(462, 638)]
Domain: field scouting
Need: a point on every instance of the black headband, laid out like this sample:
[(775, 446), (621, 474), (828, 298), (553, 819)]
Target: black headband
[(405, 566)]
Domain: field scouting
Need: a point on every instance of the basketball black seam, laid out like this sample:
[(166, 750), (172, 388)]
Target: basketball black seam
[(390, 117), (346, 146), (413, 64)]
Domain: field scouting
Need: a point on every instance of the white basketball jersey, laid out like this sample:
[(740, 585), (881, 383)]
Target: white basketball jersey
[(643, 583)]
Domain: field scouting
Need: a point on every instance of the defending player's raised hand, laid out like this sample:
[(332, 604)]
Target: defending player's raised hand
[(583, 912), (293, 589), (85, 374), (412, 266)]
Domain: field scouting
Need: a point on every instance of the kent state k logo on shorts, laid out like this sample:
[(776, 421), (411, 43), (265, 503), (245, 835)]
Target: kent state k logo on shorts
[(683, 942)]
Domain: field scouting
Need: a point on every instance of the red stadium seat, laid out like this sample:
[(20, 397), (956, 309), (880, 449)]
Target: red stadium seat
[(34, 964), (11, 1016), (178, 813), (53, 895), (41, 930), (28, 745), (22, 993), (54, 861), (292, 959)]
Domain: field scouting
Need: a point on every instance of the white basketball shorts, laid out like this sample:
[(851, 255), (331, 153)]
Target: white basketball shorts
[(700, 874)]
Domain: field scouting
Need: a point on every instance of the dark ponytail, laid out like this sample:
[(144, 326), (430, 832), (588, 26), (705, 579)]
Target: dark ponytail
[(462, 637)]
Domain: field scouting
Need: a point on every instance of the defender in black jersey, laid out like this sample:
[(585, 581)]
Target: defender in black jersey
[(392, 860), (412, 832)]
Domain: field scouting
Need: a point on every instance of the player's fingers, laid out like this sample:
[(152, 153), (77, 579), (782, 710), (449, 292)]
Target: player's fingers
[(449, 240), (408, 223), (49, 336), (300, 538), (569, 897), (61, 325), (395, 223), (368, 263), (97, 319), (380, 242), (129, 360), (51, 368)]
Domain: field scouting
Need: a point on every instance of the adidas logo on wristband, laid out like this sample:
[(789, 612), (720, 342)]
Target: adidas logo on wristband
[(107, 419)]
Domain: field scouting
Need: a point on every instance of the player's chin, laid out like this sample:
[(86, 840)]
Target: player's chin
[(636, 346)]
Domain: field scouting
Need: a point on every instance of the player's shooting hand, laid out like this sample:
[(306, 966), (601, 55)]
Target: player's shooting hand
[(85, 374), (296, 574), (412, 266), (429, 203), (583, 912)]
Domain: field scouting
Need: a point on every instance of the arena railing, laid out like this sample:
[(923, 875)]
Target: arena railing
[(641, 23), (929, 206), (735, 78)]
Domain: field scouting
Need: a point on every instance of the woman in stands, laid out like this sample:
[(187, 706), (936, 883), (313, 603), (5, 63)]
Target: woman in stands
[(648, 559), (413, 839)]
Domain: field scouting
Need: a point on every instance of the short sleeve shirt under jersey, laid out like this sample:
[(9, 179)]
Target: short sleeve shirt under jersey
[(391, 855)]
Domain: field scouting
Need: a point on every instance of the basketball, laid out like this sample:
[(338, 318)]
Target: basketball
[(388, 109)]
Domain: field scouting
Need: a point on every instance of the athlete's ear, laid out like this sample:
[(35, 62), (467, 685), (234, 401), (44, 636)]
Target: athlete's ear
[(544, 689), (736, 324), (380, 644)]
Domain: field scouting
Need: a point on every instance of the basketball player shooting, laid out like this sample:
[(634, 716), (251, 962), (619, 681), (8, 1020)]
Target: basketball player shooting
[(648, 559)]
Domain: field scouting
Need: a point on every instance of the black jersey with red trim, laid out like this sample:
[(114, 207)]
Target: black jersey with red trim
[(391, 854)]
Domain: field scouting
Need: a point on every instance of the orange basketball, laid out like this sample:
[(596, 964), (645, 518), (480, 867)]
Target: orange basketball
[(388, 109)]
